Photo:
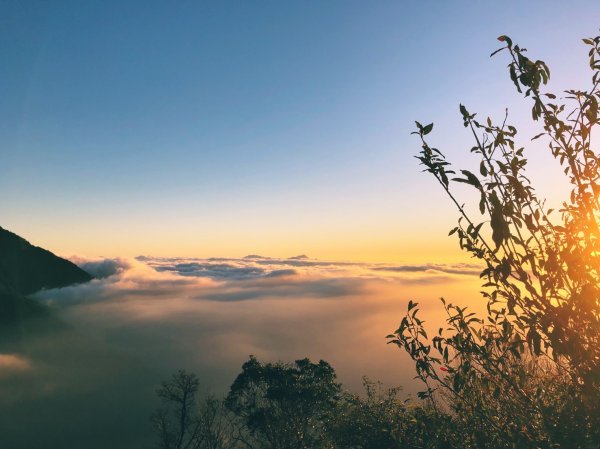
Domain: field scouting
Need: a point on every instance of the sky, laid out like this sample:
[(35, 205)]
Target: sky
[(195, 133), (201, 129)]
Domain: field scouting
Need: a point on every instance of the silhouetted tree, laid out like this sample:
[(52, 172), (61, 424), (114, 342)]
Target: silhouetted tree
[(177, 422), (184, 422), (285, 406), (527, 374), (296, 405)]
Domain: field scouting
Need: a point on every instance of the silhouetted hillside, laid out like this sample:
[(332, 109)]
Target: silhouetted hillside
[(26, 269)]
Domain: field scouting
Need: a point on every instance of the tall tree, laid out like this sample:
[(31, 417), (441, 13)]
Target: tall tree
[(285, 406)]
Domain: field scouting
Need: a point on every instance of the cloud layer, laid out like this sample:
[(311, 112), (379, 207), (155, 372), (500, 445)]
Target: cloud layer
[(274, 308), (141, 319)]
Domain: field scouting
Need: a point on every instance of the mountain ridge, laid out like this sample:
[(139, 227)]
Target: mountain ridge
[(26, 269)]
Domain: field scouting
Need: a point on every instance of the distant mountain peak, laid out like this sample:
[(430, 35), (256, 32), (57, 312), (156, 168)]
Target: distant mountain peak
[(255, 256), (300, 257)]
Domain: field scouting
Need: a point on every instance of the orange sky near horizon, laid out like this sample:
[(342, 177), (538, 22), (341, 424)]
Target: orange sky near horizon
[(259, 152), (352, 242)]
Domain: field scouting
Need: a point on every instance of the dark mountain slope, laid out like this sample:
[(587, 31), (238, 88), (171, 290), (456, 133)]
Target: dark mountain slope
[(26, 269)]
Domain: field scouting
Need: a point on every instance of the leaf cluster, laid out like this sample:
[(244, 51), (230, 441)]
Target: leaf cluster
[(540, 276)]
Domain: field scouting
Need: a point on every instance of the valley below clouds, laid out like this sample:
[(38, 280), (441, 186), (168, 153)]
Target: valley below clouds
[(107, 344)]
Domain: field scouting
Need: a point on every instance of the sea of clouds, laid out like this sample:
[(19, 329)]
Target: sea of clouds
[(209, 315), (115, 338)]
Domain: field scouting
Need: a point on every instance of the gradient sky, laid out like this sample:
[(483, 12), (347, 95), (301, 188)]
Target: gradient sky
[(278, 128)]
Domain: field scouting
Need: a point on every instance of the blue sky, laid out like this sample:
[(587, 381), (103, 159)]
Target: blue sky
[(225, 128)]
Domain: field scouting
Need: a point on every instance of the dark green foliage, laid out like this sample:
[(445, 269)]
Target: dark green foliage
[(382, 420), (296, 406), (285, 406), (527, 374)]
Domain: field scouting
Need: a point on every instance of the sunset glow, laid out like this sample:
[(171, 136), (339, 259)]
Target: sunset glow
[(280, 161), (299, 225)]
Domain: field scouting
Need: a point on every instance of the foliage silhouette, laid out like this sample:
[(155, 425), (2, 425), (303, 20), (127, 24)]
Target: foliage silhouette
[(285, 406), (380, 419), (528, 373), (187, 422), (294, 405)]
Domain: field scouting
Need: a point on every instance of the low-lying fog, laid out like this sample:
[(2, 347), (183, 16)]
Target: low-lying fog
[(85, 376)]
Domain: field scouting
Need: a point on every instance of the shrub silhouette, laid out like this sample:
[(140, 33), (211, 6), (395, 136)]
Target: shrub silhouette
[(527, 374), (296, 405)]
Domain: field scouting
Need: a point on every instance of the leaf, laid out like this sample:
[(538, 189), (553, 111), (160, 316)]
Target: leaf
[(476, 229), (513, 77), (483, 169), (470, 179), (506, 39), (457, 383), (535, 340), (427, 129), (500, 230), (538, 136)]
